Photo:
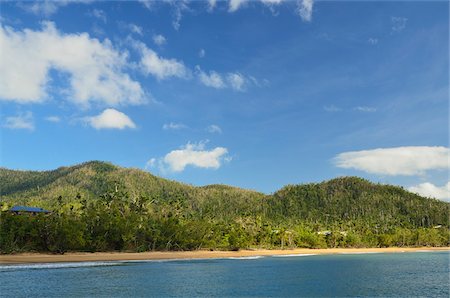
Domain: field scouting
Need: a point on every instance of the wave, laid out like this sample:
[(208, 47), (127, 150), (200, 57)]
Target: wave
[(293, 255), (245, 258), (361, 252), (57, 265)]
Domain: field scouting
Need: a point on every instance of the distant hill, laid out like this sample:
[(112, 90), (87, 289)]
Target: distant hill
[(355, 211)]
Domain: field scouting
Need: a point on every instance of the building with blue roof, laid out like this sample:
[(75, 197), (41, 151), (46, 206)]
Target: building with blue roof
[(27, 209)]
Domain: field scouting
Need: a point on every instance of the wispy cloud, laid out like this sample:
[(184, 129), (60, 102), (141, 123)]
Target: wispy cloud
[(365, 109), (428, 189), (192, 154), (373, 41), (47, 7), (305, 9), (233, 80), (234, 5), (98, 13), (398, 24), (159, 39), (201, 53), (54, 119), (332, 108), (407, 161), (174, 126), (214, 129), (110, 119), (158, 66), (20, 121)]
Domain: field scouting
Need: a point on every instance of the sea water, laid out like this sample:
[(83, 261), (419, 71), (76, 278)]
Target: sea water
[(402, 274)]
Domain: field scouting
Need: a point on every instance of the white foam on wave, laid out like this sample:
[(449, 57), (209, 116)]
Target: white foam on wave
[(245, 258), (57, 265), (361, 252), (293, 255)]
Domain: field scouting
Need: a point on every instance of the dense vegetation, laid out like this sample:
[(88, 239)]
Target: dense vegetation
[(97, 206)]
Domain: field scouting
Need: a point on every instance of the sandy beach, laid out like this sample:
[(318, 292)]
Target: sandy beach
[(202, 254)]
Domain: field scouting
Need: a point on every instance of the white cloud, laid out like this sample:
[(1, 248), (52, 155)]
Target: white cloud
[(149, 4), (372, 41), (159, 40), (54, 119), (211, 4), (271, 2), (428, 189), (192, 155), (95, 68), (398, 24), (135, 29), (214, 129), (233, 80), (406, 161), (47, 7), (236, 81), (99, 14), (305, 9), (332, 108), (179, 6), (20, 121), (160, 67), (201, 53), (110, 119), (174, 126), (234, 5), (365, 109), (213, 79)]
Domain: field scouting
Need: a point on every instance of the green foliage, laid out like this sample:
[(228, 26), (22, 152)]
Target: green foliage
[(97, 206)]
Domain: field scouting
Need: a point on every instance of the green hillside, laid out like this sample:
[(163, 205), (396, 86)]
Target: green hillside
[(97, 206)]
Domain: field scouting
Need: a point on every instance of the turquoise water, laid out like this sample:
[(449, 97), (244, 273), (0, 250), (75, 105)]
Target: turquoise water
[(403, 274)]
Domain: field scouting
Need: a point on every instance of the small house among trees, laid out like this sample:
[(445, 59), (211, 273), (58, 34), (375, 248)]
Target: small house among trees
[(28, 210)]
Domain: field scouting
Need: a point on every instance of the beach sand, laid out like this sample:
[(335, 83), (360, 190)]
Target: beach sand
[(200, 254)]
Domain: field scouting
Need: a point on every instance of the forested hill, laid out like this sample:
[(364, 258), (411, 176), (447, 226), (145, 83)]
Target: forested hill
[(99, 206)]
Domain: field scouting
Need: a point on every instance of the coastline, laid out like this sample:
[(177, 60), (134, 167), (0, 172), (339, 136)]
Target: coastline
[(29, 258)]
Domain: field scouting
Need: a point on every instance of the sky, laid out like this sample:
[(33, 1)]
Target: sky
[(255, 94)]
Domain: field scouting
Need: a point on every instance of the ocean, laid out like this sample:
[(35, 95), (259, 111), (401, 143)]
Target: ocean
[(345, 275)]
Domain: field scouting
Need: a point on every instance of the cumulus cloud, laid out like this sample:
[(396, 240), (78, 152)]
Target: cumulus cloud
[(214, 129), (159, 39), (20, 121), (191, 155), (95, 69), (159, 67), (406, 161), (430, 190), (110, 119), (173, 126), (305, 9), (54, 119)]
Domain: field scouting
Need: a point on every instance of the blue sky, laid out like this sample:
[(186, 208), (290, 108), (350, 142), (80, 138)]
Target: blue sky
[(256, 94)]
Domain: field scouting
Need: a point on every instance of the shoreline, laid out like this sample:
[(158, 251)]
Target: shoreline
[(31, 258)]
